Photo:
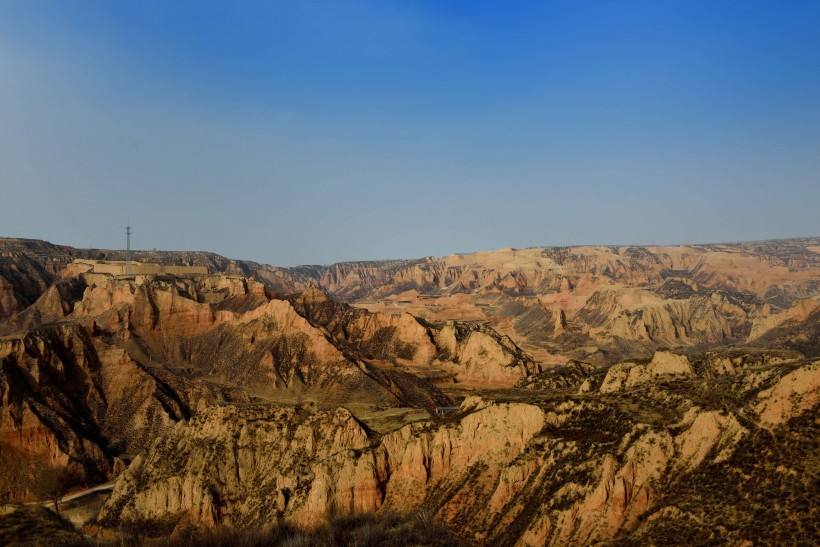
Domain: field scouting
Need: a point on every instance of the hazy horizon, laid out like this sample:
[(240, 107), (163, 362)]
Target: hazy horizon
[(291, 134), (388, 259)]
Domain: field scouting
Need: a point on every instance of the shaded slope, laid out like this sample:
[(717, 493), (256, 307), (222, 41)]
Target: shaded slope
[(556, 468)]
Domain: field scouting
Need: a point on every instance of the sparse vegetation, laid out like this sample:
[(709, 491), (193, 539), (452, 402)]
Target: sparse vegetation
[(53, 482), (363, 530), (34, 526), (177, 349)]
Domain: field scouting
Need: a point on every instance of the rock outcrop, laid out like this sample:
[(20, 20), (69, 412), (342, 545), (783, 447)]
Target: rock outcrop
[(557, 301), (28, 267), (640, 395), (557, 470), (624, 376), (472, 353), (105, 363), (587, 303)]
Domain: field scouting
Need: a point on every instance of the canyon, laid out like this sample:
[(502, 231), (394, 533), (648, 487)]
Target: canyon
[(578, 395)]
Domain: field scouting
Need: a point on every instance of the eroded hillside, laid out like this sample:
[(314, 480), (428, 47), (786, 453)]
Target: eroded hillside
[(600, 304), (101, 364), (626, 395), (565, 466)]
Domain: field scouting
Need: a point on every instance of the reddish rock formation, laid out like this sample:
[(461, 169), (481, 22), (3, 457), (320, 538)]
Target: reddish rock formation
[(552, 471), (227, 397), (119, 361)]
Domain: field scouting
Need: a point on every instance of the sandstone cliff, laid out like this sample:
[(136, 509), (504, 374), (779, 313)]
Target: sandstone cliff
[(586, 301), (103, 364), (600, 303), (559, 469)]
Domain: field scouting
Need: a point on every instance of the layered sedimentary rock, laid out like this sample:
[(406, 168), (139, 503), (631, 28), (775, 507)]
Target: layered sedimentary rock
[(28, 267), (598, 303), (473, 353), (775, 271), (560, 469), (226, 392), (105, 363), (605, 303)]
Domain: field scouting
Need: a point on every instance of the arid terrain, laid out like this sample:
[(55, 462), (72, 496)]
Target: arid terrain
[(540, 396)]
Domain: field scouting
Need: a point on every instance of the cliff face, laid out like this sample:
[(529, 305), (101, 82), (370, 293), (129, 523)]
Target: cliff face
[(559, 469), (28, 267), (600, 303), (104, 364), (470, 352), (215, 462), (579, 301)]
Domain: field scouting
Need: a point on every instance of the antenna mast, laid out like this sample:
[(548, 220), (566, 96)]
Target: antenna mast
[(128, 250)]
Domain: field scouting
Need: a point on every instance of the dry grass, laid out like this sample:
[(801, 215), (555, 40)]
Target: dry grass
[(34, 525), (364, 530)]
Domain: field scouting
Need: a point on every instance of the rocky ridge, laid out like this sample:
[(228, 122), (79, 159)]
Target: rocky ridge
[(103, 364), (589, 303), (624, 395), (600, 303), (565, 468)]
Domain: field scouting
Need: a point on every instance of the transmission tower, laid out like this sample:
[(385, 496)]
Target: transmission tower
[(128, 250)]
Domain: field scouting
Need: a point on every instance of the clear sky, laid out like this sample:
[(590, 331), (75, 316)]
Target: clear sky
[(314, 132)]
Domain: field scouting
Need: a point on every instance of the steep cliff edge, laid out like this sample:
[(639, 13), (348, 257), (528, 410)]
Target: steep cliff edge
[(559, 468), (602, 303), (103, 364), (473, 353)]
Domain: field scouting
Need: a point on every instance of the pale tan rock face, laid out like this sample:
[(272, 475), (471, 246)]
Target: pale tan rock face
[(473, 354), (706, 432), (479, 357), (622, 494), (628, 375), (800, 311), (420, 459), (301, 465), (557, 473), (265, 460), (658, 296), (793, 394)]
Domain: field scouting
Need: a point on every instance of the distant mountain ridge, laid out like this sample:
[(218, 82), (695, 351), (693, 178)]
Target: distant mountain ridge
[(593, 303), (641, 395)]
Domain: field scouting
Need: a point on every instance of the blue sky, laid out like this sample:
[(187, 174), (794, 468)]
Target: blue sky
[(314, 132)]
